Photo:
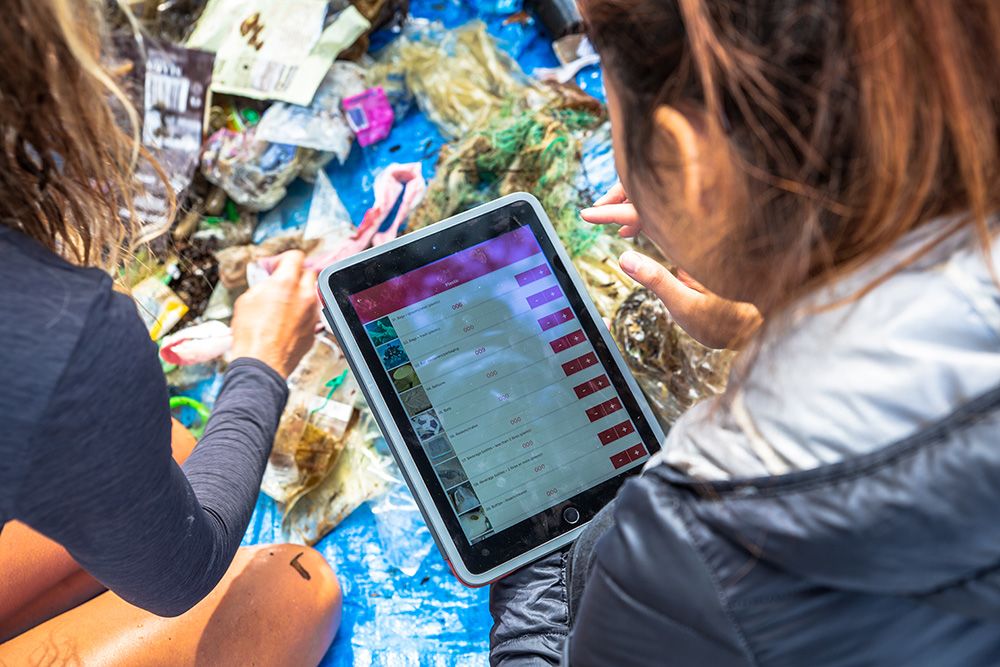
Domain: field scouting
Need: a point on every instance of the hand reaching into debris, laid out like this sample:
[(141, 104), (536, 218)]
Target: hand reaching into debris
[(275, 320), (709, 319)]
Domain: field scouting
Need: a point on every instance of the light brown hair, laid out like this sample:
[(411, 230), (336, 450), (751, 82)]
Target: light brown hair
[(67, 166), (853, 122)]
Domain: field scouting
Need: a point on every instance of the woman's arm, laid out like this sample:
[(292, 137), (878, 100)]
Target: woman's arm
[(101, 480)]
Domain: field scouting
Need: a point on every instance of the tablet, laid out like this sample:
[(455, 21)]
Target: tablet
[(494, 380)]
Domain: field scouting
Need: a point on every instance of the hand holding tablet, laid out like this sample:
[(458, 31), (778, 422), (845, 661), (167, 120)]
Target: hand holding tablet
[(494, 380)]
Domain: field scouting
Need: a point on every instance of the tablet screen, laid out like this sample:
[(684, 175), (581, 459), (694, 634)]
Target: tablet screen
[(500, 381)]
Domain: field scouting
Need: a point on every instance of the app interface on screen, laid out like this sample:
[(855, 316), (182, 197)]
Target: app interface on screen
[(502, 386)]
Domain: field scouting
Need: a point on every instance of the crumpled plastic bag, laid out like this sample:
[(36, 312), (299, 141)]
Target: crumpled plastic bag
[(359, 474), (313, 428), (673, 370), (254, 173), (322, 125)]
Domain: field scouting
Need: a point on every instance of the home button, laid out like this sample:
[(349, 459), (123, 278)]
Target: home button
[(571, 515)]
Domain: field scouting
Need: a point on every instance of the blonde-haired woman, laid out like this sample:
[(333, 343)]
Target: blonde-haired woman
[(90, 497)]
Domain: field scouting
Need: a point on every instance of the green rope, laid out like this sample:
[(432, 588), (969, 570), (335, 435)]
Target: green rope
[(199, 407), (333, 385)]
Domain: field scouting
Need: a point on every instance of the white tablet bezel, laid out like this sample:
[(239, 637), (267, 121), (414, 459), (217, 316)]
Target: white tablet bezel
[(391, 431)]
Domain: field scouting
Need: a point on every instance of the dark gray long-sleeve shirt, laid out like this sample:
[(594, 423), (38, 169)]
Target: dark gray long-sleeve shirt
[(85, 455)]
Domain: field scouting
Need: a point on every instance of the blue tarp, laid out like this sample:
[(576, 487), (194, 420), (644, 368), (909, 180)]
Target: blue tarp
[(391, 618)]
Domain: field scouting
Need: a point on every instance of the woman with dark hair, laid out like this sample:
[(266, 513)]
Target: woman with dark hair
[(112, 552), (826, 176)]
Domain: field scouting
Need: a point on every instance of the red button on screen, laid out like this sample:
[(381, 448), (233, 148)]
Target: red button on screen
[(571, 367), (619, 460), (608, 436), (636, 453), (624, 429)]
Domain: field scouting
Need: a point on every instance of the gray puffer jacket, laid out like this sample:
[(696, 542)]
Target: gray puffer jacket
[(842, 511)]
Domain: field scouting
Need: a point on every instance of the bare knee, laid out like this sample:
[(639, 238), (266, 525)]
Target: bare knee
[(285, 592), (306, 580)]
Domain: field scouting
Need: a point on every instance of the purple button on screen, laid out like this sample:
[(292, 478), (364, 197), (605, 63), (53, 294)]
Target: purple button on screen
[(543, 297), (531, 275)]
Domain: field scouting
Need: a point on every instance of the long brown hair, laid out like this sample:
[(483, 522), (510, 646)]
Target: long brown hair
[(853, 121), (67, 166)]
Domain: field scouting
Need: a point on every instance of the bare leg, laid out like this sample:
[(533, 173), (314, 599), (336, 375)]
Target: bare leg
[(39, 579), (266, 611)]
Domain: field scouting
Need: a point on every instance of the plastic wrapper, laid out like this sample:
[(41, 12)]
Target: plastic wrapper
[(329, 223), (358, 475), (159, 307), (458, 77), (311, 434), (170, 84), (673, 370), (370, 115), (189, 377), (321, 126), (220, 304), (253, 173), (227, 232), (233, 261)]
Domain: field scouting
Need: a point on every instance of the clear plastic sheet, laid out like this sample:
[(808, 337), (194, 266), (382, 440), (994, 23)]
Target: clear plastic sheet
[(358, 475), (314, 427), (405, 537), (321, 126), (328, 222), (673, 370)]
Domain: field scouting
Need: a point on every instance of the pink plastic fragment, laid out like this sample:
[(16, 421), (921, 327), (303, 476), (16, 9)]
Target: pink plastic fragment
[(395, 180), (198, 344), (370, 115)]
